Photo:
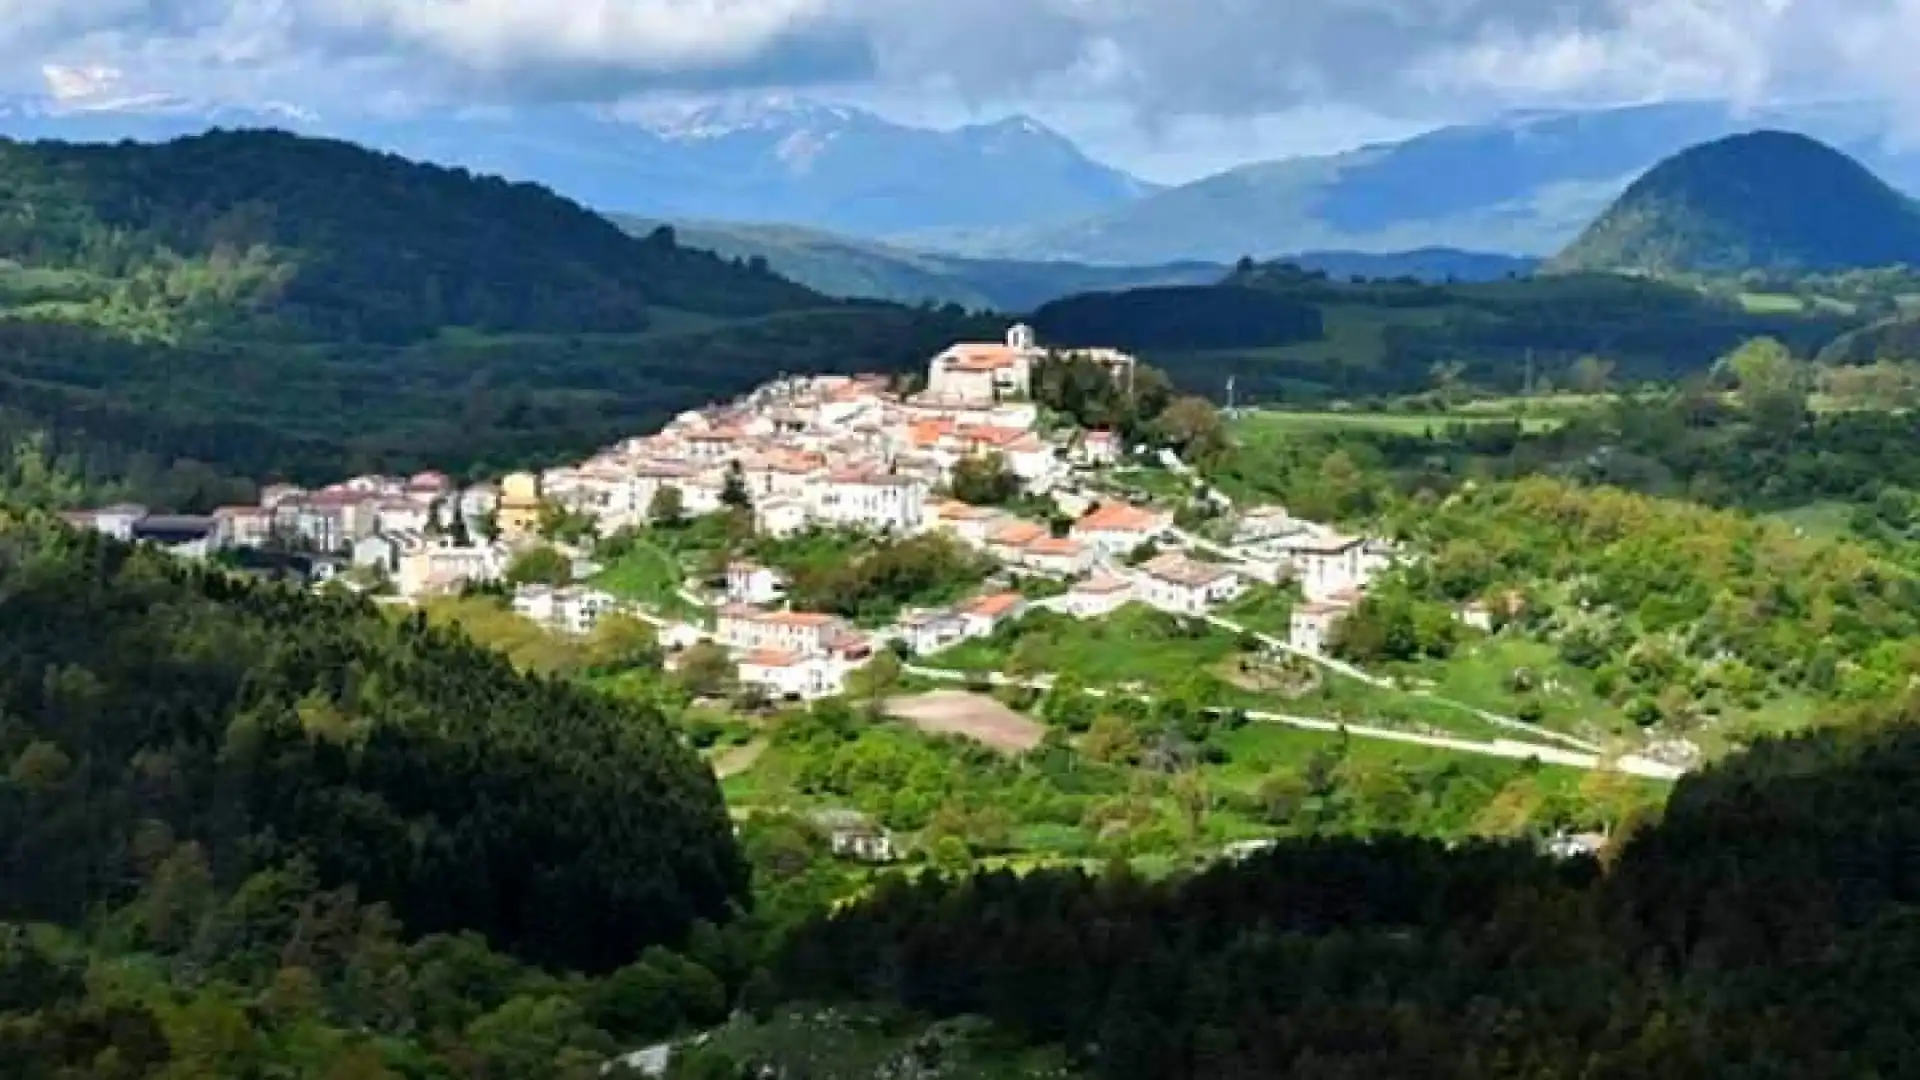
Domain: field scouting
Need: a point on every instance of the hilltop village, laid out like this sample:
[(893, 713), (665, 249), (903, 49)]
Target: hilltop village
[(813, 453)]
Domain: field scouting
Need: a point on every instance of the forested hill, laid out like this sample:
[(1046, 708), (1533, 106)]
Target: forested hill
[(1767, 927), (1281, 330), (154, 715), (319, 239), (1766, 200)]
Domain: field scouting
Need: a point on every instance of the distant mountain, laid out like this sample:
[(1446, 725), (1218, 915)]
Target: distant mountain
[(846, 266), (1766, 200), (1526, 183), (775, 159), (854, 268)]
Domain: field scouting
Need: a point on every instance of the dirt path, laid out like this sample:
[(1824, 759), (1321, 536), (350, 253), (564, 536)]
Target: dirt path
[(972, 716), (738, 759)]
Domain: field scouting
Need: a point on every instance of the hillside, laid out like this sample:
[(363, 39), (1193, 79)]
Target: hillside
[(150, 706), (1525, 184), (854, 268), (1285, 333), (1766, 200), (774, 158), (270, 233), (1774, 888), (181, 321)]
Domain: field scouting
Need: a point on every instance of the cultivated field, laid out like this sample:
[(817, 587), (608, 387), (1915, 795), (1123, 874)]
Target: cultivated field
[(971, 716)]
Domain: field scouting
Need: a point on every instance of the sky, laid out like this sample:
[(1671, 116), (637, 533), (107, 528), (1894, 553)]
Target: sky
[(1169, 88)]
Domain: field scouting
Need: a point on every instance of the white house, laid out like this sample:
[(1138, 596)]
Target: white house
[(1326, 563), (806, 633), (443, 565), (985, 614), (751, 583), (783, 673), (243, 526), (1310, 625), (980, 373), (1057, 555), (867, 843), (1097, 449), (872, 500), (779, 517), (1098, 596), (1173, 582), (118, 520), (971, 524), (1117, 528), (927, 632)]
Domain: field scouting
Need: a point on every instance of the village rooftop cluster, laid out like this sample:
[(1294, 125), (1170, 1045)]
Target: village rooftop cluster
[(837, 452)]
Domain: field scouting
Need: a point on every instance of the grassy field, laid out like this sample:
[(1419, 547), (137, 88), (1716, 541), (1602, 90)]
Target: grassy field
[(1136, 645), (1271, 423), (650, 575), (1768, 303)]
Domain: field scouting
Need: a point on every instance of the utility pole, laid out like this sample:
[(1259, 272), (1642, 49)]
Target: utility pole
[(1230, 395)]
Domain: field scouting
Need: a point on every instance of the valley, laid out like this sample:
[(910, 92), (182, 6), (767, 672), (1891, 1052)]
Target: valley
[(451, 633)]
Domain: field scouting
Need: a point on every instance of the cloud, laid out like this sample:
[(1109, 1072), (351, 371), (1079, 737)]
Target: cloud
[(1164, 59)]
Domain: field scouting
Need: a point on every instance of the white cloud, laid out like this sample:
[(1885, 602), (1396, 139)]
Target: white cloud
[(1171, 62)]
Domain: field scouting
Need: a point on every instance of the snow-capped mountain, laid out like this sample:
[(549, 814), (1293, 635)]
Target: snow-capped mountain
[(780, 159)]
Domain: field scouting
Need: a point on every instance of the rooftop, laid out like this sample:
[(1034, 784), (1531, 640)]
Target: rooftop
[(1180, 570), (1121, 517), (993, 606)]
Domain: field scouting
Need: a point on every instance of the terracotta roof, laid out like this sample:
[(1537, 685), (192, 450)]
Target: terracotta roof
[(992, 435), (994, 606), (770, 658), (1120, 517), (1018, 534), (1055, 545), (798, 618), (1102, 584), (956, 510)]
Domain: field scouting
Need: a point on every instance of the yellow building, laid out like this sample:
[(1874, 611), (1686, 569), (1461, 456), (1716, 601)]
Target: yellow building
[(519, 512)]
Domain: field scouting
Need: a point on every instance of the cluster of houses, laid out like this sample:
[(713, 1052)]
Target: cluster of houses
[(838, 450), (822, 451), (423, 532)]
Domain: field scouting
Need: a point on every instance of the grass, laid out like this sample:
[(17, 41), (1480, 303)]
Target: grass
[(1136, 645), (650, 575), (1262, 608), (1270, 423)]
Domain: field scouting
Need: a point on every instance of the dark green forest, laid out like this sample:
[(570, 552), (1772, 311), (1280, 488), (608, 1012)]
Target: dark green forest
[(1765, 928), (1288, 334), (145, 705), (1764, 200), (316, 240)]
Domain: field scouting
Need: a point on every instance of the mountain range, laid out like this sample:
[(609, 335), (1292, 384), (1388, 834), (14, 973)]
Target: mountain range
[(773, 159), (840, 265), (1524, 184)]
